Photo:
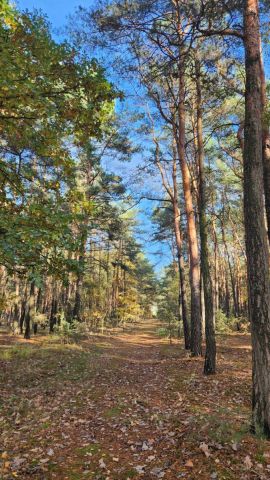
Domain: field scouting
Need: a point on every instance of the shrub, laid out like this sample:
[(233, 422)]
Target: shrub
[(69, 332), (230, 324)]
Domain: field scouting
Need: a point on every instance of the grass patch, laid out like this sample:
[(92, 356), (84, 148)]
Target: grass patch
[(16, 351), (114, 411), (224, 430), (259, 456), (225, 474), (75, 476), (45, 425), (92, 448), (131, 473)]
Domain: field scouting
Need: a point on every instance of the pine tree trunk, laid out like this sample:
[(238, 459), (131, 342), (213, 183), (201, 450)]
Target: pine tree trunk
[(27, 324), (181, 263), (76, 314), (216, 275), (256, 235), (23, 308), (233, 282), (182, 282), (30, 310), (210, 354), (53, 318), (265, 146), (227, 303), (196, 334), (22, 316)]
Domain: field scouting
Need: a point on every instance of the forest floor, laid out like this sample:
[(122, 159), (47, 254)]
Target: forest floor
[(128, 406)]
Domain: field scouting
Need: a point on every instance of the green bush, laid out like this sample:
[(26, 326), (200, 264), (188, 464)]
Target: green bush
[(69, 332), (230, 324)]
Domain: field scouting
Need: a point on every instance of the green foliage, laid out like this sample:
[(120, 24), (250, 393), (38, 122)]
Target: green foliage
[(69, 332), (230, 324), (171, 330), (40, 319), (222, 323), (168, 307), (53, 101), (168, 303)]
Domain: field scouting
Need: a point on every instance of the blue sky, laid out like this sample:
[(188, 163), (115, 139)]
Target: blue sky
[(57, 10)]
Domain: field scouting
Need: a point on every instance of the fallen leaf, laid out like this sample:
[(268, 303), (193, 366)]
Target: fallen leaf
[(248, 462), (17, 462), (205, 449), (102, 464), (139, 469), (157, 472), (145, 446)]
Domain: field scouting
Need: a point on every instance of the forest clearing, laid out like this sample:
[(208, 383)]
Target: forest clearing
[(134, 239), (128, 405)]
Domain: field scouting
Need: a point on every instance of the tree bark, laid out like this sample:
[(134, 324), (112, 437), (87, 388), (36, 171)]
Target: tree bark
[(216, 274), (173, 195), (232, 277), (30, 311), (210, 354), (54, 308), (196, 334), (255, 230), (265, 145), (76, 314), (181, 269), (22, 316)]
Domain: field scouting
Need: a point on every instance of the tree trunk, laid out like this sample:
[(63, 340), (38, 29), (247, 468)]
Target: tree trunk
[(173, 194), (27, 324), (216, 275), (76, 314), (210, 354), (196, 334), (22, 316), (30, 310), (53, 318), (256, 235), (182, 281), (181, 263), (233, 283), (39, 300), (265, 145), (227, 302), (17, 302)]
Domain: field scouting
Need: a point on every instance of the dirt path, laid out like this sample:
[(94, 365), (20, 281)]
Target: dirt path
[(128, 406)]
